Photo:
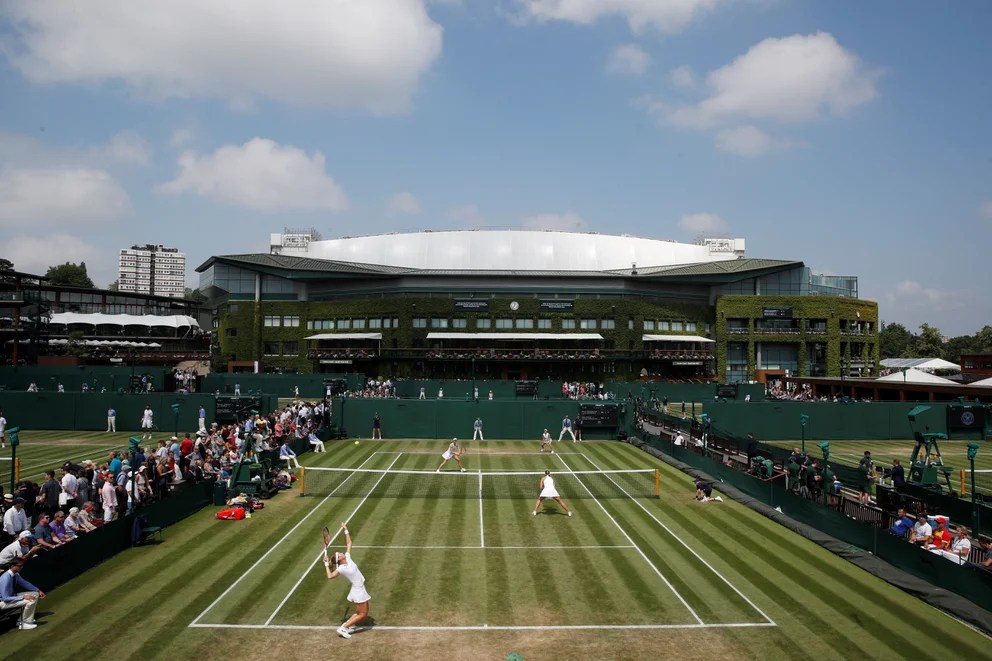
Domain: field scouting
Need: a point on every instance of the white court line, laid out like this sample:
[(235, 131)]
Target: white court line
[(690, 549), (488, 627), (477, 451), (274, 547), (321, 554), (501, 548), (482, 527), (624, 533)]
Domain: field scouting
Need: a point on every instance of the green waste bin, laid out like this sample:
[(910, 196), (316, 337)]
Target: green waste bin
[(220, 493)]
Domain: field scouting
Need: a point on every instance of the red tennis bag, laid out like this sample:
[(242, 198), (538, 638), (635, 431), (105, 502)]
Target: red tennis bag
[(231, 514)]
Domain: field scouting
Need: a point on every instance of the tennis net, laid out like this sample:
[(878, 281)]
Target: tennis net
[(361, 482)]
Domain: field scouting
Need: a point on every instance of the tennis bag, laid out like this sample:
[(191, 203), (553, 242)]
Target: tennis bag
[(231, 514)]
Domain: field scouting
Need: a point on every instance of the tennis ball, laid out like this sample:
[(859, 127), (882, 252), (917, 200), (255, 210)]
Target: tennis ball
[(356, 442)]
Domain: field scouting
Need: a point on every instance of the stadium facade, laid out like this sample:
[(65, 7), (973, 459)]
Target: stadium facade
[(526, 304)]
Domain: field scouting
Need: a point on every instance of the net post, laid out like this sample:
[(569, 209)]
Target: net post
[(303, 481), (657, 483)]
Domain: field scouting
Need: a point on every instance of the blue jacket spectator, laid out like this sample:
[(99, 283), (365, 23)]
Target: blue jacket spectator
[(902, 524)]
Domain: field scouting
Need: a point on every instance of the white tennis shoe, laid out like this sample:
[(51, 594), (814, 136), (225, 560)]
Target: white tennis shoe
[(344, 633), (570, 514), (463, 470), (534, 513)]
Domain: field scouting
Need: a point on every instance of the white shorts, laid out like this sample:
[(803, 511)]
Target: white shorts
[(447, 455), (146, 424), (359, 595), (549, 492)]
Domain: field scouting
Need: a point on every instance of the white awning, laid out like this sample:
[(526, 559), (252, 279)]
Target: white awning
[(100, 319), (523, 337), (346, 336), (925, 364), (675, 338)]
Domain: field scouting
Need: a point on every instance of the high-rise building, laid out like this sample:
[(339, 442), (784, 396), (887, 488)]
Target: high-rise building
[(152, 269)]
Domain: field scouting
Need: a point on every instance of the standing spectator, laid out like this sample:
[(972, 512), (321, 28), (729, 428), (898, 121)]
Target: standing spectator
[(114, 465), (147, 423), (3, 431), (15, 519), (866, 471), (490, 395), (108, 497), (26, 599), (237, 389), (69, 488), (898, 475), (111, 420), (477, 429), (376, 427), (440, 393), (683, 409), (566, 428), (202, 419), (423, 392), (48, 499)]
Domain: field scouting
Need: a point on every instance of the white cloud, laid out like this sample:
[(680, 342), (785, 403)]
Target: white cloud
[(683, 77), (369, 54), (705, 224), (46, 196), (628, 60), (180, 138), (467, 215), (261, 175), (128, 148), (750, 141), (568, 221), (792, 79), (404, 203), (911, 289), (124, 148), (985, 211), (664, 15), (34, 254)]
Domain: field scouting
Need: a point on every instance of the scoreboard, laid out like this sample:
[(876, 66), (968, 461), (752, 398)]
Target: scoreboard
[(233, 409), (599, 415)]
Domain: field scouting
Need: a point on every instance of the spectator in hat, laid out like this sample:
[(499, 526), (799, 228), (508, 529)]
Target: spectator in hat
[(942, 537), (87, 522), (15, 519), (71, 523), (19, 548)]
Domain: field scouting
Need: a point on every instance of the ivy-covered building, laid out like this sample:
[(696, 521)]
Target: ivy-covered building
[(518, 304)]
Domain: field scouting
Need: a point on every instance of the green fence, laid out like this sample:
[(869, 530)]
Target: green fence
[(72, 378), (283, 385)]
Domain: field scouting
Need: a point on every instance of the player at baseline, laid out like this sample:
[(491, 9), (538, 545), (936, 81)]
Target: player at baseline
[(548, 490), (546, 441), (358, 595), (146, 423), (453, 452)]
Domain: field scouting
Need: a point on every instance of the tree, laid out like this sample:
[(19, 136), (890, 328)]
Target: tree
[(114, 286), (983, 341), (70, 274), (894, 341), (929, 343), (6, 264), (194, 295)]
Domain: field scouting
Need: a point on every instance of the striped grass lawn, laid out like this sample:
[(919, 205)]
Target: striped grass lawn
[(668, 578), (48, 450)]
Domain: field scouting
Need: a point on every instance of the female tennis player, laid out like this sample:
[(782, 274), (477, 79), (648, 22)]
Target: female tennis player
[(546, 441), (548, 491), (453, 452), (343, 565)]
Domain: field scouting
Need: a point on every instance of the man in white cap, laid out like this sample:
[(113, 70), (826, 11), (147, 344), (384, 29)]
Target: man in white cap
[(15, 519), (19, 548)]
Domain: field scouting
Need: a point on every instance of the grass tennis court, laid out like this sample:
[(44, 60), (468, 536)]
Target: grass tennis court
[(48, 450), (625, 577)]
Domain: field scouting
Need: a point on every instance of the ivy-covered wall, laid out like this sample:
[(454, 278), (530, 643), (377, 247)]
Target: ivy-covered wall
[(833, 309), (247, 322)]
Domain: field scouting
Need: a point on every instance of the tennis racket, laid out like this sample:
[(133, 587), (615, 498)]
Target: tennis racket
[(327, 542)]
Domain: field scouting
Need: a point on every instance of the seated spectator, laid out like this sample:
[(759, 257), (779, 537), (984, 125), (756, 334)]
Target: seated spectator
[(961, 546), (57, 526), (19, 548), (87, 521), (318, 445), (71, 524), (902, 525), (16, 592), (986, 558), (942, 537), (286, 454), (43, 534), (922, 533)]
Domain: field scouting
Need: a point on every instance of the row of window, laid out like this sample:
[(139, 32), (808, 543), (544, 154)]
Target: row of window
[(663, 325), (287, 321), (353, 324), (481, 323), (281, 348)]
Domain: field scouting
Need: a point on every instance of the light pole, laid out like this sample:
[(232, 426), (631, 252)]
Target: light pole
[(803, 419), (973, 449)]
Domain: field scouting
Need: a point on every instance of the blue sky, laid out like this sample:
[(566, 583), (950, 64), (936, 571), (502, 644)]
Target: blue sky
[(852, 136)]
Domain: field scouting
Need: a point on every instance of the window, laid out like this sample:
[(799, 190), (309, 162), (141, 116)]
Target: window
[(608, 324), (358, 323), (396, 322), (544, 324), (676, 325), (388, 323), (587, 324), (232, 308), (649, 325), (524, 324), (231, 332), (568, 324), (690, 326), (459, 323), (483, 322), (272, 321), (291, 321), (215, 323), (344, 324), (290, 348), (270, 348), (630, 323), (419, 322), (504, 323), (438, 322), (663, 325), (375, 323)]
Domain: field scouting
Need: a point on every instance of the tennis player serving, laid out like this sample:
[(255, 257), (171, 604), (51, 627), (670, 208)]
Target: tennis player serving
[(454, 451), (548, 490), (341, 564)]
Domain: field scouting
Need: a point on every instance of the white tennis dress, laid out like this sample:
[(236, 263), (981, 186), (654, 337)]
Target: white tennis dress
[(358, 594), (549, 490), (450, 452)]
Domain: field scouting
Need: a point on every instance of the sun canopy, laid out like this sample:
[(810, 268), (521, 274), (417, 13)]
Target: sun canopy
[(514, 336), (914, 376), (675, 338), (100, 319), (925, 364), (346, 336), (983, 382)]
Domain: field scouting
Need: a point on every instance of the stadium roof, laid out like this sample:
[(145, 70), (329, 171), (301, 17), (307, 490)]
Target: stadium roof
[(925, 364), (100, 319), (675, 338), (914, 376), (345, 336)]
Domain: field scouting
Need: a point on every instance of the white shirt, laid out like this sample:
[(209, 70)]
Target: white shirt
[(146, 417), (3, 424), (352, 572), (69, 484), (922, 530), (546, 437), (961, 546), (14, 521)]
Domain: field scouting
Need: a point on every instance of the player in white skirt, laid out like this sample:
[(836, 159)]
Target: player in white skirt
[(343, 565), (147, 425), (546, 441), (453, 452), (548, 491)]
